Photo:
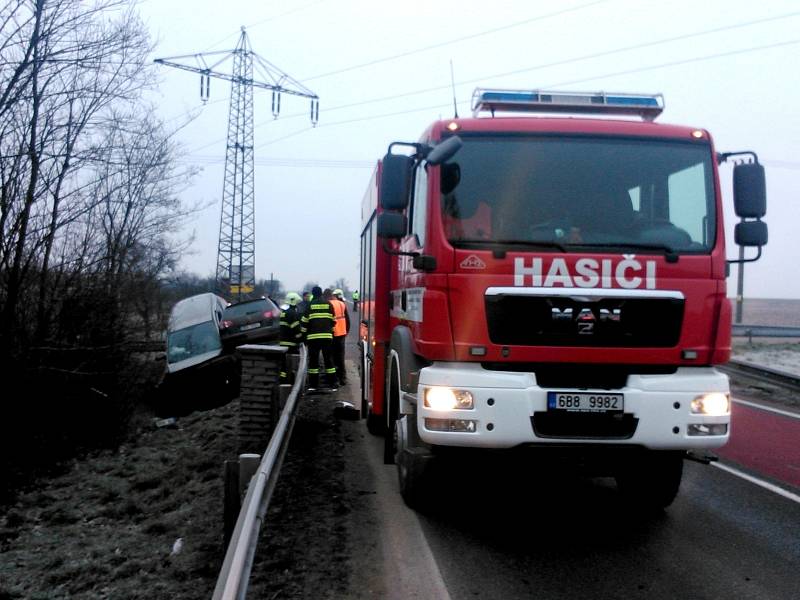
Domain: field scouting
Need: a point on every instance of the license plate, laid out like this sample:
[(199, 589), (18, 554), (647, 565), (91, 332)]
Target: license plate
[(250, 326), (585, 402)]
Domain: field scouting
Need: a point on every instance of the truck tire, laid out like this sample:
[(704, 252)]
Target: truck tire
[(650, 482), (375, 424), (362, 373), (413, 468), (391, 407)]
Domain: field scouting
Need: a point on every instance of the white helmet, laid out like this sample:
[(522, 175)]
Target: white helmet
[(293, 298)]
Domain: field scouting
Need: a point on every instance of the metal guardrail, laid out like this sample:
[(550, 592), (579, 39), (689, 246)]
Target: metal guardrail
[(235, 573), (774, 376), (751, 331)]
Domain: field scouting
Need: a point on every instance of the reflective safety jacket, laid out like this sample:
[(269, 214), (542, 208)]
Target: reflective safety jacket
[(355, 296), (317, 322), (291, 335), (341, 325)]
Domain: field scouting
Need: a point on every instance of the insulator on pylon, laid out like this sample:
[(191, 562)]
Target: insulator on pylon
[(276, 103), (314, 111), (205, 86)]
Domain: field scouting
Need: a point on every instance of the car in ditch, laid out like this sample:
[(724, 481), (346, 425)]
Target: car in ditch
[(193, 332), (199, 372)]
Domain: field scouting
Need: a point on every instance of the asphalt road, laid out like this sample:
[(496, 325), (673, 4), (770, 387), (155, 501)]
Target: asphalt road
[(513, 533)]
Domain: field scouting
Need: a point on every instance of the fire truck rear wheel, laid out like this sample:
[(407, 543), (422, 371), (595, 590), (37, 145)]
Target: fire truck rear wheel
[(651, 481)]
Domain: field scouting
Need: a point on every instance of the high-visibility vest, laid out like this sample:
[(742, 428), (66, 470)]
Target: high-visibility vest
[(355, 296), (339, 320)]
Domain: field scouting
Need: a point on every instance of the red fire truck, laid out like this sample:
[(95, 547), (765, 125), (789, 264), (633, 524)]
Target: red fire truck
[(538, 280)]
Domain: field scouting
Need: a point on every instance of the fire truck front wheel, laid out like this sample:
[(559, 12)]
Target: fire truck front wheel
[(391, 407), (413, 468), (375, 424), (650, 482)]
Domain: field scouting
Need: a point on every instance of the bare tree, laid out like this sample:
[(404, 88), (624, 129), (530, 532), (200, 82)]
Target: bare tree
[(72, 67)]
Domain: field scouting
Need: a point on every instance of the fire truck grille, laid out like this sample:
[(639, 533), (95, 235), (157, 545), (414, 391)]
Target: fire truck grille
[(571, 321), (584, 426), (581, 376)]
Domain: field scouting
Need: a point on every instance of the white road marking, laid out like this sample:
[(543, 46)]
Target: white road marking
[(410, 566), (759, 482), (777, 411)]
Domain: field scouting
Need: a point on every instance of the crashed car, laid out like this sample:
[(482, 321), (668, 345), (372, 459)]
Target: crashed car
[(199, 373), (193, 331)]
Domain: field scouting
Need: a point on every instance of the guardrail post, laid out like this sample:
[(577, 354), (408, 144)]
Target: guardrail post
[(232, 498), (259, 396), (248, 465)]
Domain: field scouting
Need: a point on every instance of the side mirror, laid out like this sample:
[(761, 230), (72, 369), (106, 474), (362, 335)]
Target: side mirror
[(751, 233), (392, 225), (749, 191), (444, 150), (396, 181)]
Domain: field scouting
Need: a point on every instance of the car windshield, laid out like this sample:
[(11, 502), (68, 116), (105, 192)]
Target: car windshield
[(247, 308), (620, 194), (193, 341)]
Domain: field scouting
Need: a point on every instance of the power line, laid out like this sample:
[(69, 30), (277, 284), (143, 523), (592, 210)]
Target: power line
[(572, 82), (455, 40), (782, 164), (289, 162), (566, 61), (563, 62), (267, 20), (683, 62)]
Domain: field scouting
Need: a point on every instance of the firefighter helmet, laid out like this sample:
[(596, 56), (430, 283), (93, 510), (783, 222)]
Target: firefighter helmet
[(292, 298)]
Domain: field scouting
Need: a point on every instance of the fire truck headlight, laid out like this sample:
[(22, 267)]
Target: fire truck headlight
[(445, 398), (713, 404)]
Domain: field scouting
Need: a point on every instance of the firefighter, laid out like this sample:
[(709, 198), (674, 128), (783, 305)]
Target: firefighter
[(316, 326), (355, 300), (341, 327), (291, 336)]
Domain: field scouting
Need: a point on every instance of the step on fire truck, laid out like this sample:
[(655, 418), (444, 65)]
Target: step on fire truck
[(558, 281)]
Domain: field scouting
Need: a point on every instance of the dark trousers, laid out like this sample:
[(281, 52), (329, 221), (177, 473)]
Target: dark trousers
[(338, 357), (287, 373), (314, 370)]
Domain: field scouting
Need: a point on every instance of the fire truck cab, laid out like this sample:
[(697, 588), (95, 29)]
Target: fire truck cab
[(551, 273)]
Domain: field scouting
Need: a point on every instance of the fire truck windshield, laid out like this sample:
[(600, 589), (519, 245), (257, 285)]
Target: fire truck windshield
[(559, 192)]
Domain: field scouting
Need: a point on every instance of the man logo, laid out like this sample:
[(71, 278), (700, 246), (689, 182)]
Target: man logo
[(586, 318), (472, 262)]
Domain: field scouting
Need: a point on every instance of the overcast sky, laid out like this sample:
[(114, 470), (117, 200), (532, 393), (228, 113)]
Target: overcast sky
[(382, 72)]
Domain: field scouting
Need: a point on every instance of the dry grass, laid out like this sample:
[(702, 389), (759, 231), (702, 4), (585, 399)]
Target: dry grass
[(106, 526)]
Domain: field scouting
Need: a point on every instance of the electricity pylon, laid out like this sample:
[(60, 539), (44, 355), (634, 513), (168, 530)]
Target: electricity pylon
[(237, 246)]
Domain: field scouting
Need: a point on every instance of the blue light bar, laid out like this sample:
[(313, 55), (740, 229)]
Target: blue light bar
[(648, 107)]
